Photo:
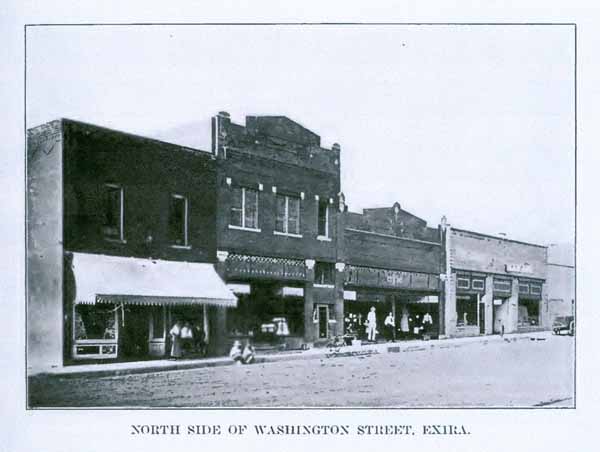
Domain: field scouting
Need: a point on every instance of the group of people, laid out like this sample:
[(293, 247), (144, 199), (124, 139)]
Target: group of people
[(242, 356), (187, 338), (389, 325)]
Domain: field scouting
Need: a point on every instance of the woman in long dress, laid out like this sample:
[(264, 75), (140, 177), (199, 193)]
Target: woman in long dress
[(175, 333)]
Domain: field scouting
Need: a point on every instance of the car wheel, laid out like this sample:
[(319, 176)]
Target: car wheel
[(572, 329)]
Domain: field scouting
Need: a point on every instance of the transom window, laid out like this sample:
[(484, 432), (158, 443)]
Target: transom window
[(244, 208), (288, 215), (178, 220), (112, 224)]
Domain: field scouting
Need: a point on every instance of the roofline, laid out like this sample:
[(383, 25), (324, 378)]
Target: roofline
[(133, 135), (393, 236), (499, 238), (560, 265)]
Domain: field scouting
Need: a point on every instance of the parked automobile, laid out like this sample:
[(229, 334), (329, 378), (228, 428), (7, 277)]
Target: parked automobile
[(566, 323)]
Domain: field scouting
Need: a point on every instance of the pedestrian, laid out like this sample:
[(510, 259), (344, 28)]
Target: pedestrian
[(187, 338), (404, 327), (372, 325), (236, 352), (175, 333), (388, 327), (427, 323), (248, 353)]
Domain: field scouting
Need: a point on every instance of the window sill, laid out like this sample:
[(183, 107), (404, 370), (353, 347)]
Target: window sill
[(108, 239), (181, 247), (323, 238), (241, 228), (324, 286), (287, 234)]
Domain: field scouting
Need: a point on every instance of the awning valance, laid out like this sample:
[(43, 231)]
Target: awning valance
[(114, 279)]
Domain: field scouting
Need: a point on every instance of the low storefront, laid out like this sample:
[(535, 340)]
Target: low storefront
[(411, 298), (124, 308)]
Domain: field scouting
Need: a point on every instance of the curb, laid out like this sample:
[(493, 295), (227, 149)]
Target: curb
[(362, 351)]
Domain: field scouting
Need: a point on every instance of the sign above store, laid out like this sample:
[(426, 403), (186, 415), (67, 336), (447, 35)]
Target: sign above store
[(519, 268)]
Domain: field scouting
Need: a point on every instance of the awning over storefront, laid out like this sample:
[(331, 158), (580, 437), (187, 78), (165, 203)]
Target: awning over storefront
[(103, 279)]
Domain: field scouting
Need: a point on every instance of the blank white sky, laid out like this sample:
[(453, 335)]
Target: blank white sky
[(475, 123)]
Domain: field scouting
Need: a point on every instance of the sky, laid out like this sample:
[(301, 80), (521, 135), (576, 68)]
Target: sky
[(472, 122)]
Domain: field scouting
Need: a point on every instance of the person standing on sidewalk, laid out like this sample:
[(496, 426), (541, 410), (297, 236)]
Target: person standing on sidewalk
[(371, 325), (176, 340), (388, 327)]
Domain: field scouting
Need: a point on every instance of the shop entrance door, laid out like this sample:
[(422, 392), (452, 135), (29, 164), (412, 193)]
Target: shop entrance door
[(135, 340), (481, 318), (323, 313)]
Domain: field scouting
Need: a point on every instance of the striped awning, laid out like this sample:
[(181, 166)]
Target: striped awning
[(114, 279)]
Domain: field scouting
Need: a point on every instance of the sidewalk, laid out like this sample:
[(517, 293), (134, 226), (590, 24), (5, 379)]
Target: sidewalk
[(137, 367)]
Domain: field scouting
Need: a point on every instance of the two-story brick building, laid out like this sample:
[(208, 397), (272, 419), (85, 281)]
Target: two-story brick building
[(121, 242), (277, 230)]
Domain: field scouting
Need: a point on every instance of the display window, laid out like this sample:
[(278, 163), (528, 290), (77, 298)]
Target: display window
[(95, 331), (466, 310)]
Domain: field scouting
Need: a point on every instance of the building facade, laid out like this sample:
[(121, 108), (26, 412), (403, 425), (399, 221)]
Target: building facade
[(121, 243), (277, 230), (492, 285)]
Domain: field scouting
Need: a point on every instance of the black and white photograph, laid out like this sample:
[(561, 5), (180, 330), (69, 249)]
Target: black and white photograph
[(300, 216)]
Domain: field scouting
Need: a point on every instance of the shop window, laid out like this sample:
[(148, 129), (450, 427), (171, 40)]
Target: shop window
[(112, 225), (501, 285), (523, 288), (466, 310), (536, 289), (323, 218), (463, 283), (529, 313), (324, 273), (478, 284), (93, 322), (244, 208), (178, 220), (287, 219)]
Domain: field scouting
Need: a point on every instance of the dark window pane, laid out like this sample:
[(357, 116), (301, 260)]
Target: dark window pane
[(111, 226), (322, 221), (94, 322), (324, 273), (177, 218)]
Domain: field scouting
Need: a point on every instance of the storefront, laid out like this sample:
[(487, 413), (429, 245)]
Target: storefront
[(412, 298), (470, 309), (530, 304), (124, 308)]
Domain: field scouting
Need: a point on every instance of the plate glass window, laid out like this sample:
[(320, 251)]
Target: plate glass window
[(244, 208), (112, 225), (288, 214), (178, 220)]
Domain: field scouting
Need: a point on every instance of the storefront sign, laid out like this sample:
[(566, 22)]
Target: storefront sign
[(375, 277), (292, 291), (245, 266), (239, 288), (519, 268), (350, 295)]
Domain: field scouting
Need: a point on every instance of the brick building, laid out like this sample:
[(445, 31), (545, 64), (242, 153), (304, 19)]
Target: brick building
[(278, 230), (392, 262), (121, 242)]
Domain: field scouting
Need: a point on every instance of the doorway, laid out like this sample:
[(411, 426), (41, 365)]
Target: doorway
[(136, 331), (323, 321)]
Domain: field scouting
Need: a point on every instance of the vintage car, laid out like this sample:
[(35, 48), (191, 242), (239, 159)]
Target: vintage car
[(566, 323)]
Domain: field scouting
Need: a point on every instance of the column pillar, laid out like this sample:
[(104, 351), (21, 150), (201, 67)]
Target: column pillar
[(309, 326), (340, 277), (512, 315), (488, 300), (450, 305), (217, 334)]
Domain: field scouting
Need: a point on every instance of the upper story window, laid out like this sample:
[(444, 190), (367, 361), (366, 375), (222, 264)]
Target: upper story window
[(324, 273), (178, 220), (112, 224), (287, 219), (323, 218), (244, 208)]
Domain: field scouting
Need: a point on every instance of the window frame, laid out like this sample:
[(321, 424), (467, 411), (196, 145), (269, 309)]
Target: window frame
[(243, 226), (186, 216), (121, 222), (286, 215), (326, 236), (327, 284)]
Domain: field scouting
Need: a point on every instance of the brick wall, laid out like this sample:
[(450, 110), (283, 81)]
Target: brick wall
[(149, 172)]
